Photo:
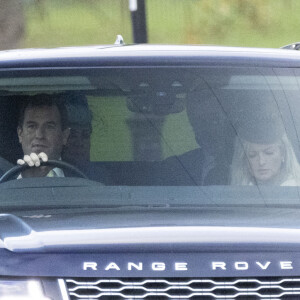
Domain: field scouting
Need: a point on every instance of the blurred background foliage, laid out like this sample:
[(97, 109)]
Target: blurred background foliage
[(263, 23)]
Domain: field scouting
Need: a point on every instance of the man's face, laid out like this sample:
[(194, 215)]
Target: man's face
[(209, 124), (42, 131)]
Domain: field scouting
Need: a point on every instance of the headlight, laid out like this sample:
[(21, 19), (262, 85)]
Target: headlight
[(21, 290)]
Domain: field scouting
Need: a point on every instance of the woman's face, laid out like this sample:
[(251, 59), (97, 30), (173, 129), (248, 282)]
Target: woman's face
[(265, 160), (77, 148)]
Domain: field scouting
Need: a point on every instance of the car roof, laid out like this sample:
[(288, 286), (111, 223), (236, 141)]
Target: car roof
[(148, 55)]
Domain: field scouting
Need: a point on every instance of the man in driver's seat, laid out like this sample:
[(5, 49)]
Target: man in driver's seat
[(42, 132)]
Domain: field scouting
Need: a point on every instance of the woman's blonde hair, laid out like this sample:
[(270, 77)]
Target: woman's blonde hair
[(240, 169)]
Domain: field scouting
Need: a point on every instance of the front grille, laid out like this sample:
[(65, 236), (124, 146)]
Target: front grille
[(184, 288)]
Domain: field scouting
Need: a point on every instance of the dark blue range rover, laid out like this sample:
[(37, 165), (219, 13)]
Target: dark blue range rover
[(171, 172)]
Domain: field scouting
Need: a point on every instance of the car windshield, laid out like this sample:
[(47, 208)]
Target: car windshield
[(182, 137)]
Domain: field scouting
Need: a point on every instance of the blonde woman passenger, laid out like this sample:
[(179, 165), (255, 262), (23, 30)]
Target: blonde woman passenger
[(263, 155)]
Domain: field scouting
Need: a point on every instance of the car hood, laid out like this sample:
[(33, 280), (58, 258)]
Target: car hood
[(166, 229)]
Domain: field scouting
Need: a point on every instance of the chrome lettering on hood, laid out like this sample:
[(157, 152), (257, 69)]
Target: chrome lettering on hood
[(183, 266), (155, 266), (244, 265)]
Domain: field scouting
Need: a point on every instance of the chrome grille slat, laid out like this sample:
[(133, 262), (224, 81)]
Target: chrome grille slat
[(141, 288), (112, 294), (186, 283), (184, 287)]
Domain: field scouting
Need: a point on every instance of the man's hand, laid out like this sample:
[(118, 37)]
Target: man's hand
[(33, 159)]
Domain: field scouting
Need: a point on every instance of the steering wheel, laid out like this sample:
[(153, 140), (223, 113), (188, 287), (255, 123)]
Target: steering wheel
[(54, 163)]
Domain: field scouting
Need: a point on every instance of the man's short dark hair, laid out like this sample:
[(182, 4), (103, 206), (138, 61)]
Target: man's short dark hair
[(45, 100)]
